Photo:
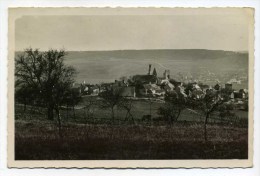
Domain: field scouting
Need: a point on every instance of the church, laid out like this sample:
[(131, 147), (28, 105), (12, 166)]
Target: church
[(152, 78), (151, 83)]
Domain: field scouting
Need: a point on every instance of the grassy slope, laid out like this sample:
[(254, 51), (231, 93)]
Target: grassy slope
[(39, 140)]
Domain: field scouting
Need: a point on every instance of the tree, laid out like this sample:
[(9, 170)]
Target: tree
[(47, 76), (127, 104), (111, 99), (174, 104), (225, 113), (208, 104), (89, 104), (73, 97), (24, 95)]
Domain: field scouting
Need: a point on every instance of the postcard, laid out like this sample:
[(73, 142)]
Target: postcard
[(130, 87)]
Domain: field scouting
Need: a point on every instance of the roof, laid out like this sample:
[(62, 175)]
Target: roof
[(196, 86), (145, 79), (169, 85), (243, 91), (177, 83), (217, 86), (204, 86)]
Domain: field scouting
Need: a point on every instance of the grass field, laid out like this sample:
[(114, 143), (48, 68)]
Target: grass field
[(139, 108), (39, 139)]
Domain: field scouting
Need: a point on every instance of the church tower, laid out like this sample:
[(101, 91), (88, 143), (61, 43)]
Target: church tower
[(149, 69), (166, 74), (154, 72)]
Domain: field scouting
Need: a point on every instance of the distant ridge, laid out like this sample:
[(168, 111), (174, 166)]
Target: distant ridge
[(106, 66), (120, 50), (151, 50), (165, 54)]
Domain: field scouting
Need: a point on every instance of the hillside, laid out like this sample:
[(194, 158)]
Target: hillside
[(98, 66)]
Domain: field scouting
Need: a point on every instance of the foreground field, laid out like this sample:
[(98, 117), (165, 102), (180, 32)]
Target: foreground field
[(139, 109), (40, 140)]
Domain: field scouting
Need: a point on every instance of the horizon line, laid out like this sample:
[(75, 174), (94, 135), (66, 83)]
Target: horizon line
[(241, 51)]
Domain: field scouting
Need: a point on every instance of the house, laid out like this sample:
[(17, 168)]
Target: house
[(159, 92), (217, 87), (205, 87), (234, 95), (150, 88), (146, 79), (195, 86), (165, 78), (85, 89), (94, 89), (197, 94), (228, 86), (244, 93), (234, 80), (180, 90), (168, 87), (241, 94)]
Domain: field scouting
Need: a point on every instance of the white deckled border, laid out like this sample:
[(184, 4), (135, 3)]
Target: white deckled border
[(16, 13)]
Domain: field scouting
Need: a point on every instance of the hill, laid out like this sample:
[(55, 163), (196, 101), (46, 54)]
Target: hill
[(98, 66)]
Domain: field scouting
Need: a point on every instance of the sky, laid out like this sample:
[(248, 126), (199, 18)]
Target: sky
[(123, 32)]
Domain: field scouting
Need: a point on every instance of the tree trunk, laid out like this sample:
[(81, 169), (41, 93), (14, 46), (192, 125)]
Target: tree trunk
[(113, 114), (24, 105), (67, 111), (150, 107), (178, 115), (205, 127), (171, 119), (50, 111), (133, 118), (126, 116), (74, 114), (59, 121)]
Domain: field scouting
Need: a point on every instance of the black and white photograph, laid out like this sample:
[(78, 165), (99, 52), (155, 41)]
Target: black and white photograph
[(165, 86)]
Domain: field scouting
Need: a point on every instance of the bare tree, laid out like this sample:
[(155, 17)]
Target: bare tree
[(111, 99), (88, 108), (175, 103), (226, 114), (47, 75), (127, 104), (24, 95), (207, 105)]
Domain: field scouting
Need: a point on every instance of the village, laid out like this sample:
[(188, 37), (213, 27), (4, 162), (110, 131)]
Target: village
[(153, 86)]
